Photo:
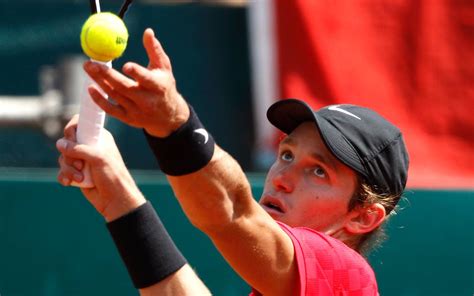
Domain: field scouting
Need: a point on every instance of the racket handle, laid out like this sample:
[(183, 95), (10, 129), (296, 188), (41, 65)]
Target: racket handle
[(89, 127)]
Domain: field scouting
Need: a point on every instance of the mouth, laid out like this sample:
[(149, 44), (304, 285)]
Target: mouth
[(273, 205)]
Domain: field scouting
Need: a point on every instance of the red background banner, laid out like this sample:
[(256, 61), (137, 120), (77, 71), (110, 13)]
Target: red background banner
[(411, 61)]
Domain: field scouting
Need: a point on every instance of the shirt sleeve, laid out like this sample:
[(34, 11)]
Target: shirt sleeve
[(327, 266), (312, 278)]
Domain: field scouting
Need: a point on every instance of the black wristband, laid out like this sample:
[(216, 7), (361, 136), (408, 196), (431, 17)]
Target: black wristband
[(186, 150), (145, 246)]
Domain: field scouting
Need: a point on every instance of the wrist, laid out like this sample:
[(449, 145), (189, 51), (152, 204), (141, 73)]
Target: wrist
[(178, 116), (120, 207), (145, 246), (186, 150)]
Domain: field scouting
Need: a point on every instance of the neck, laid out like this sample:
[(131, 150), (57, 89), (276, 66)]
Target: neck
[(351, 240)]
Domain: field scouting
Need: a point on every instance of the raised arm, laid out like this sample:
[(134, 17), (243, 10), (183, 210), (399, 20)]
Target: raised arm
[(217, 197), (117, 198), (218, 200)]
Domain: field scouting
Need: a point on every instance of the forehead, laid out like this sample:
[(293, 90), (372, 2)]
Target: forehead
[(307, 138), (305, 134)]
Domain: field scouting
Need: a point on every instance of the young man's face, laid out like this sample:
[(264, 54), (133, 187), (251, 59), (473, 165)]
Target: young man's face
[(307, 186)]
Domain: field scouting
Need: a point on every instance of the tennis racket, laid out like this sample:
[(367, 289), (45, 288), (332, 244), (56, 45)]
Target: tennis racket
[(91, 117)]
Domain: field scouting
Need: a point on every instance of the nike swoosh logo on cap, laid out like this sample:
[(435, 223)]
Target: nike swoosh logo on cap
[(336, 108), (203, 133)]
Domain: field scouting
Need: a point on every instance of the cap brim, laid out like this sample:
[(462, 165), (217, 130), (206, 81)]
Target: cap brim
[(287, 115)]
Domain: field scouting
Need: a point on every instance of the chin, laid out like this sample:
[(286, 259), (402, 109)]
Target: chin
[(278, 216), (275, 216)]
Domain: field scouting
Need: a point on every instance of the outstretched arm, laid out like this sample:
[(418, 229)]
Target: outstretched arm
[(217, 198), (117, 198)]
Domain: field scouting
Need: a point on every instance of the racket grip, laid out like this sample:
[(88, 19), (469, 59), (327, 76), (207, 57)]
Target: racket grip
[(89, 127)]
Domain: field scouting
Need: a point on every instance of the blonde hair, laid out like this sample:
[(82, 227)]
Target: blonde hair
[(367, 195)]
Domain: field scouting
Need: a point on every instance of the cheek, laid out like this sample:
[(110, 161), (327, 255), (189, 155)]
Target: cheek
[(318, 210), (324, 197)]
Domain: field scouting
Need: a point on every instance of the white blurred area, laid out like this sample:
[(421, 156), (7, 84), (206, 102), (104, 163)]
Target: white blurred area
[(61, 88)]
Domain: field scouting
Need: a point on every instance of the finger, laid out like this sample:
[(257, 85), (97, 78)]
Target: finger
[(77, 151), (143, 76), (72, 162), (67, 174), (78, 164), (70, 172), (70, 128), (110, 78), (154, 50), (67, 160), (61, 159), (116, 96), (115, 110), (63, 180)]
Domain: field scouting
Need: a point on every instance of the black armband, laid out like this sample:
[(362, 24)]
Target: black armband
[(145, 246), (186, 150)]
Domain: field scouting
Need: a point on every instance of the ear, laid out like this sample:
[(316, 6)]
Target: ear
[(365, 219)]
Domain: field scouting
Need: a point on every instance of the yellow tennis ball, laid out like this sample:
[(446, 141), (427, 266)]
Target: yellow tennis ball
[(104, 36)]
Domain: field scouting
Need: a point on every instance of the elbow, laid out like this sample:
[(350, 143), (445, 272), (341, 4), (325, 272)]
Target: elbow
[(223, 214)]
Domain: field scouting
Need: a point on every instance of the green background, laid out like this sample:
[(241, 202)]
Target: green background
[(52, 242)]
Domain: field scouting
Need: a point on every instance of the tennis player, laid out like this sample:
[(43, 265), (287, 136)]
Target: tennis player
[(339, 173)]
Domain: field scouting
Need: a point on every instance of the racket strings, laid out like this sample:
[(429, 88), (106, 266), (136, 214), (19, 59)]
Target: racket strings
[(95, 7), (124, 8)]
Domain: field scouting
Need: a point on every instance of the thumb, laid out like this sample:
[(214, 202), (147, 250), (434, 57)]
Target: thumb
[(78, 151), (155, 52), (71, 128)]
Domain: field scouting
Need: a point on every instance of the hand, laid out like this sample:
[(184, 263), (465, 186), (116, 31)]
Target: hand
[(148, 98), (115, 192)]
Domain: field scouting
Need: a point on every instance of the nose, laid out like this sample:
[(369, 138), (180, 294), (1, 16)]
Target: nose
[(283, 180)]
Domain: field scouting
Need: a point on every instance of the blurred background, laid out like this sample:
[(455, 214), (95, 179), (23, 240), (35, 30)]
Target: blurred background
[(412, 61)]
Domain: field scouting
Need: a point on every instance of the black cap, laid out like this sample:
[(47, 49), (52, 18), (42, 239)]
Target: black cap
[(357, 136)]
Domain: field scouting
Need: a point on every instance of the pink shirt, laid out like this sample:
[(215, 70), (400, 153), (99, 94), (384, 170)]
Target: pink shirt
[(328, 267)]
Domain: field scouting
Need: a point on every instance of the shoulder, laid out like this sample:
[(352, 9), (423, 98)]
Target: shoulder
[(309, 239), (325, 263)]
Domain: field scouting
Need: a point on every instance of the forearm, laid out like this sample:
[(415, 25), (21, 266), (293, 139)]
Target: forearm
[(215, 196), (183, 282), (218, 200), (130, 199)]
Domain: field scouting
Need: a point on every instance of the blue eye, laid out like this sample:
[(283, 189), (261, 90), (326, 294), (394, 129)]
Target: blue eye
[(319, 172), (286, 156)]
